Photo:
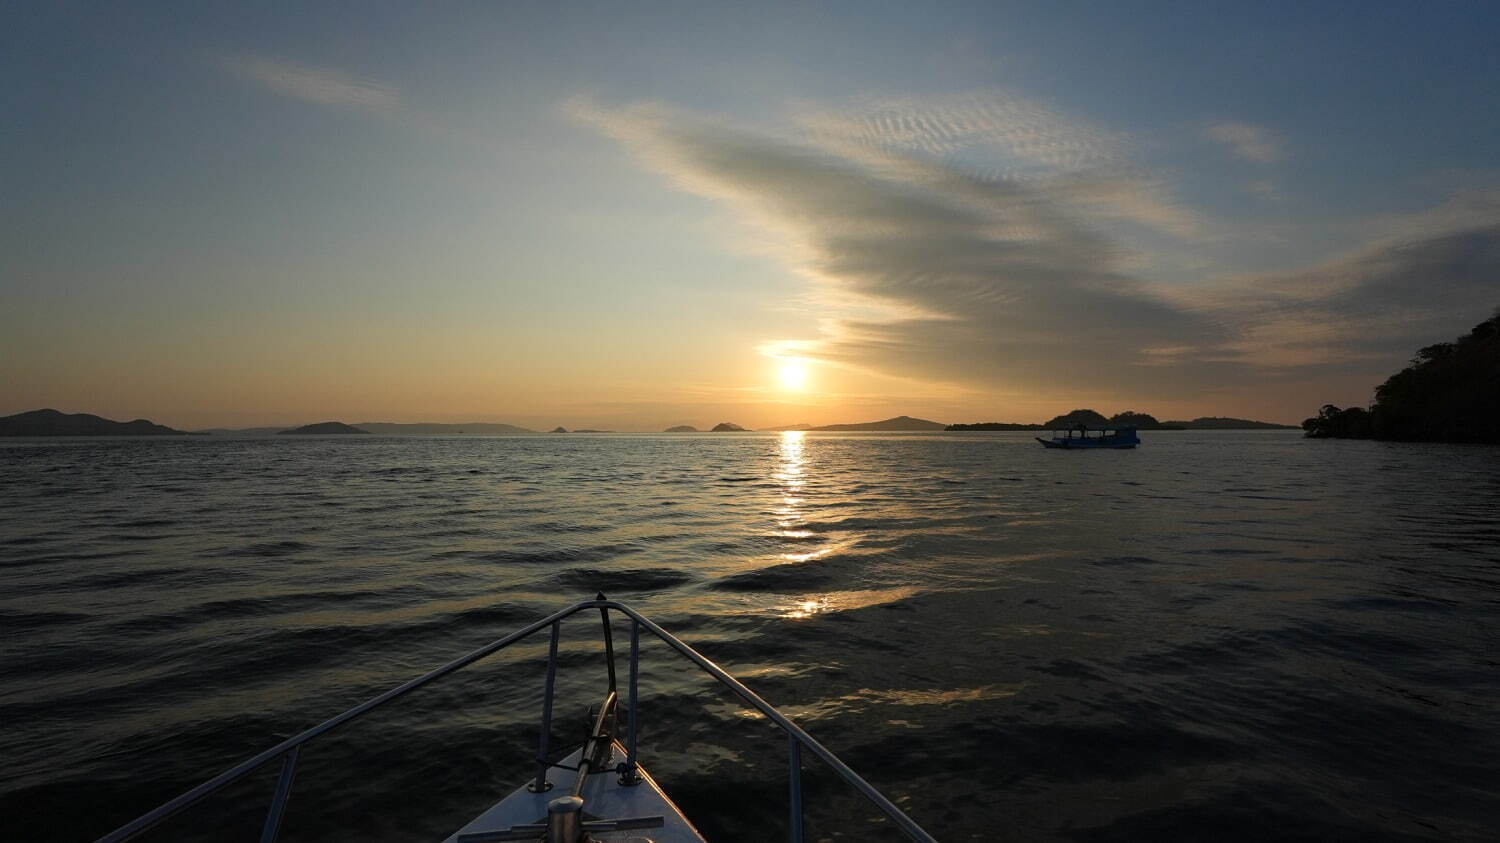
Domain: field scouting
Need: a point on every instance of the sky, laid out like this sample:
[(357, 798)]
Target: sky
[(629, 216)]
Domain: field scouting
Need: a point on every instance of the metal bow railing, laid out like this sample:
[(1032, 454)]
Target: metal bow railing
[(290, 749)]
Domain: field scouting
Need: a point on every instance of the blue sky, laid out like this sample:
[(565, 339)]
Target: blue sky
[(596, 215)]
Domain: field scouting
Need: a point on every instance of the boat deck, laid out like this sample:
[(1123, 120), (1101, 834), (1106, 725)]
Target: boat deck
[(603, 809), (604, 799)]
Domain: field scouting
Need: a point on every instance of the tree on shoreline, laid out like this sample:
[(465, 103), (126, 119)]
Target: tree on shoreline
[(1449, 393)]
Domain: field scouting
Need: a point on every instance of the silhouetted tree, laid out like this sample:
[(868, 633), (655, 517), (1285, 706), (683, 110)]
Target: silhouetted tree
[(1334, 423), (1449, 393), (1087, 418)]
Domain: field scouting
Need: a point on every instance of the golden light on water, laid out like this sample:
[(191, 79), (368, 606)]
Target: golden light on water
[(806, 608), (789, 476), (810, 605)]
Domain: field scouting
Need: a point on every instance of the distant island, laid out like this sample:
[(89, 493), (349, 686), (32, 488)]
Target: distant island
[(899, 423), (329, 428), (392, 429), (1449, 393), (431, 429), (1128, 418), (55, 423), (995, 426), (1222, 423)]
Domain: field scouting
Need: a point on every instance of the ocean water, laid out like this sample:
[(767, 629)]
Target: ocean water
[(1221, 635)]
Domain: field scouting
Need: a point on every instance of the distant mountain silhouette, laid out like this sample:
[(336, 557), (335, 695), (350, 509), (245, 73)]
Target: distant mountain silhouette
[(1223, 423), (558, 429), (1087, 418), (897, 423), (1128, 418), (391, 429), (994, 426), (54, 423), (1449, 393), (431, 429), (803, 426), (726, 427), (682, 428), (590, 430), (329, 428)]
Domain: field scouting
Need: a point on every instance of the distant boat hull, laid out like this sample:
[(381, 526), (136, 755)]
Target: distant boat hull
[(1078, 438), (1084, 444)]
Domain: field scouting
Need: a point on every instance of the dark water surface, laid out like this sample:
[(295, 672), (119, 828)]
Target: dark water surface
[(1218, 636)]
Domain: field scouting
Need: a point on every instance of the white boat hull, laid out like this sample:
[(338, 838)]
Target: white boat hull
[(604, 798)]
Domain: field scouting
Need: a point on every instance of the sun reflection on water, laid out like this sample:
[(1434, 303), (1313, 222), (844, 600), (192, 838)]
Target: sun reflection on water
[(806, 608), (789, 473), (792, 474), (811, 605)]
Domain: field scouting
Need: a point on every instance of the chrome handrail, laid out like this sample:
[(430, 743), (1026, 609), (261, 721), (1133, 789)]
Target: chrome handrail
[(290, 749)]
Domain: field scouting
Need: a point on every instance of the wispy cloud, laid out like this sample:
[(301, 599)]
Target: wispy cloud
[(320, 85), (1249, 141), (1009, 283), (1376, 304), (1022, 131), (965, 278), (992, 136)]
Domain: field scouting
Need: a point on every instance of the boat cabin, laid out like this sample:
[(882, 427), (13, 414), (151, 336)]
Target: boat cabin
[(1081, 436)]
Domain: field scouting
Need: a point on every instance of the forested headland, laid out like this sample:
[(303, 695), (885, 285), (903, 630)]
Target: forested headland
[(1449, 393)]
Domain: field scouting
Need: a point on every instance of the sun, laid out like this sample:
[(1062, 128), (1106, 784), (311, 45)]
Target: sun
[(793, 374)]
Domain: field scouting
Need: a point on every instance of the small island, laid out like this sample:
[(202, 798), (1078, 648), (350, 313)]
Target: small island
[(558, 429), (1224, 423), (727, 427), (682, 428), (994, 426), (1128, 418), (898, 424), (1449, 393), (329, 428), (51, 422), (433, 429)]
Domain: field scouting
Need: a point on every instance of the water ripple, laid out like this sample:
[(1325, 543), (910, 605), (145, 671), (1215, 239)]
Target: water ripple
[(1297, 642)]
